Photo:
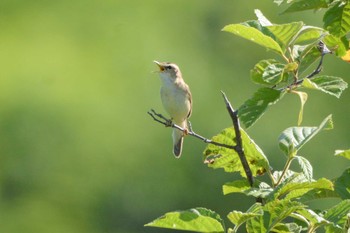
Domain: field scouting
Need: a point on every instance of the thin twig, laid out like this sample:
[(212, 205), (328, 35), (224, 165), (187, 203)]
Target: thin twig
[(324, 51), (238, 137), (239, 145), (168, 123)]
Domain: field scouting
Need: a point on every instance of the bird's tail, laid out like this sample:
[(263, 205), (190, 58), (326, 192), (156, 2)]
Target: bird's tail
[(178, 138)]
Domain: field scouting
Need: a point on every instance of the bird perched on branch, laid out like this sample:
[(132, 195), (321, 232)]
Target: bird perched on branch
[(177, 101)]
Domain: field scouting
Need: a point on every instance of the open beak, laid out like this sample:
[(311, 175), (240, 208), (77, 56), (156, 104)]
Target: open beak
[(159, 64)]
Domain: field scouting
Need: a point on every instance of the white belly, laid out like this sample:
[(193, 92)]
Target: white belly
[(176, 102)]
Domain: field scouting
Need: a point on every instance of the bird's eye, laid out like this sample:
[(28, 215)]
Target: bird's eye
[(168, 67)]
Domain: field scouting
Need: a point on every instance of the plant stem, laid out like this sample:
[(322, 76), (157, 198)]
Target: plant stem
[(285, 169)]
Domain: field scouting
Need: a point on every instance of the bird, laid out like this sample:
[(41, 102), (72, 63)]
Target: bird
[(177, 101)]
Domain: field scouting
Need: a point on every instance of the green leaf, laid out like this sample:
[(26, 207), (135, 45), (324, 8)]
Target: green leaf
[(255, 107), (285, 33), (253, 35), (288, 175), (306, 5), (242, 186), (238, 217), (267, 72), (315, 194), (257, 224), (237, 186), (306, 56), (196, 219), (303, 98), (274, 213), (293, 138), (337, 215), (305, 166), (281, 209), (337, 19), (309, 35), (228, 159), (311, 217), (346, 227), (343, 153), (292, 189), (328, 84), (342, 185), (338, 45), (273, 73), (287, 228)]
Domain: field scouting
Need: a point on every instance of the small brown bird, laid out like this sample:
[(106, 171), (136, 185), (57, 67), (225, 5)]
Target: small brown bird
[(177, 100)]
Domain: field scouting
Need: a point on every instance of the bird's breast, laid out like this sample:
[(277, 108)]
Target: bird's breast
[(176, 102)]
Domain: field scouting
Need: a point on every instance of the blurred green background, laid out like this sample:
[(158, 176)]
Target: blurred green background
[(79, 152)]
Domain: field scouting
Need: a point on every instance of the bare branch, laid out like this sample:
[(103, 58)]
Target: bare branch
[(168, 123), (239, 145)]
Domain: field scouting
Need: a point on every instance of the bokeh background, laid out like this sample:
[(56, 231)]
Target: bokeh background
[(78, 152)]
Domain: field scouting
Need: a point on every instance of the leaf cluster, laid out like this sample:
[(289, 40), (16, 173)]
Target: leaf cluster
[(281, 203), (298, 46)]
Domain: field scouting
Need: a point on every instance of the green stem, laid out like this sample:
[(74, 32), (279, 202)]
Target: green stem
[(285, 169), (269, 173)]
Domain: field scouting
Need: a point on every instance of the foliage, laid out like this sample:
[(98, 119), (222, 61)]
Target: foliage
[(281, 204)]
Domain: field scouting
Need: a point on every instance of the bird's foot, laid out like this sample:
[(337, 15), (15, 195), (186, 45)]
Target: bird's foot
[(162, 119)]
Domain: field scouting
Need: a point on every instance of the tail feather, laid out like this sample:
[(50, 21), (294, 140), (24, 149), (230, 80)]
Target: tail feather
[(178, 137), (177, 150)]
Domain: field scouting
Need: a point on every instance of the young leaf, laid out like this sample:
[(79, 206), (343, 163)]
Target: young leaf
[(228, 159), (196, 219), (253, 35), (303, 5), (305, 166), (238, 217), (327, 84), (267, 72), (255, 107), (337, 19), (284, 33), (343, 153), (342, 185), (303, 99), (293, 138)]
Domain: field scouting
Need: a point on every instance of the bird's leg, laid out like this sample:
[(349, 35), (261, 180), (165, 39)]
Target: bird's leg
[(188, 129), (167, 122)]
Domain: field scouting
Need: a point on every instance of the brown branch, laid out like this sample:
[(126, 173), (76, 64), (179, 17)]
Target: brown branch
[(239, 145)]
